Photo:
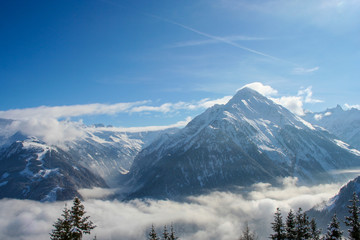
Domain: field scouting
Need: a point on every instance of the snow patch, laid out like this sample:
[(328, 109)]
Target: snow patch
[(5, 175), (52, 195), (3, 183), (347, 147)]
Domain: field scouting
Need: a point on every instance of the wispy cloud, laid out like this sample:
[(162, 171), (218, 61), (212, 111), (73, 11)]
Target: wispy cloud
[(334, 15), (57, 112), (221, 39), (303, 71), (306, 94), (46, 122), (178, 124), (213, 41), (69, 111)]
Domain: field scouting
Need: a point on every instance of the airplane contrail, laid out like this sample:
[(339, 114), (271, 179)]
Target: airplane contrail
[(220, 39), (213, 37)]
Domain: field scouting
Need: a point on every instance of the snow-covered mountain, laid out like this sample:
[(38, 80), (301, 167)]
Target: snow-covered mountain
[(248, 140), (33, 169), (337, 204), (343, 123), (109, 152), (30, 169)]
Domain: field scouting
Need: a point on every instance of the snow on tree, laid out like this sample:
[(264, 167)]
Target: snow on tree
[(73, 223), (333, 232), (302, 225), (278, 226), (152, 234), (80, 223), (314, 231), (172, 234), (290, 226), (165, 234), (62, 227), (352, 221), (247, 234)]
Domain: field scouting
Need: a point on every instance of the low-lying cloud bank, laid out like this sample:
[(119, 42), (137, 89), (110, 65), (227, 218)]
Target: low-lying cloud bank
[(219, 215)]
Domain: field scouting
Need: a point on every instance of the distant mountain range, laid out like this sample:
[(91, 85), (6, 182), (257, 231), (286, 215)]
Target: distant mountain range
[(250, 139), (344, 124), (32, 169)]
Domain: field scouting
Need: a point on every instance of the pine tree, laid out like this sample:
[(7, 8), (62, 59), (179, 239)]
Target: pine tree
[(73, 224), (302, 225), (290, 226), (172, 234), (278, 226), (165, 234), (334, 232), (247, 234), (352, 221), (314, 231), (152, 234), (80, 223), (62, 227)]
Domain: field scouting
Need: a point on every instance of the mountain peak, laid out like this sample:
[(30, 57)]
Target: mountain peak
[(246, 93)]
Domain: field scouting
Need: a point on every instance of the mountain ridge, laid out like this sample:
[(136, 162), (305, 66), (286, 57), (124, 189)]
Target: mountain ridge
[(250, 131)]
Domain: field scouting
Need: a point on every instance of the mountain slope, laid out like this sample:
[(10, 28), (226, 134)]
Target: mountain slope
[(250, 139), (109, 152), (337, 204), (30, 169), (106, 151), (344, 124)]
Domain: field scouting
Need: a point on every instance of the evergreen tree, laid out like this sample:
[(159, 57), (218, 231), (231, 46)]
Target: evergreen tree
[(314, 231), (80, 223), (352, 221), (278, 226), (165, 234), (247, 234), (152, 234), (73, 223), (290, 226), (62, 227), (334, 232), (302, 225), (172, 234)]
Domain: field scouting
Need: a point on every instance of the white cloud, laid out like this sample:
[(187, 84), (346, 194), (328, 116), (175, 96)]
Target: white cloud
[(49, 130), (348, 106), (44, 122), (293, 103), (179, 124), (57, 112), (218, 215), (307, 95), (206, 103), (302, 71), (265, 90), (68, 111), (320, 116)]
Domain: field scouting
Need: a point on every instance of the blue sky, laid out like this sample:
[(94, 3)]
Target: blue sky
[(140, 63)]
